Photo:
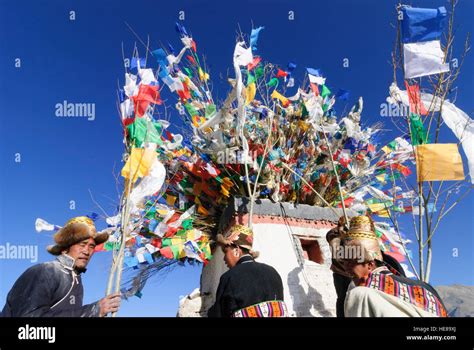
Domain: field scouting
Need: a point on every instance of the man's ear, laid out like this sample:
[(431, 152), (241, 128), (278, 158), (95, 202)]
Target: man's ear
[(237, 251)]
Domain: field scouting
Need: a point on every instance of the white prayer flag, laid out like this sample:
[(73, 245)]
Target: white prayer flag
[(43, 225), (317, 80), (423, 58), (242, 56)]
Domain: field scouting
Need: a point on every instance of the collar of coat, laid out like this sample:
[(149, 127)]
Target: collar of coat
[(244, 259), (67, 262)]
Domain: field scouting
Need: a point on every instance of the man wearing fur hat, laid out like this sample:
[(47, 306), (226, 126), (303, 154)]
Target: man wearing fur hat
[(375, 291), (249, 288), (54, 288)]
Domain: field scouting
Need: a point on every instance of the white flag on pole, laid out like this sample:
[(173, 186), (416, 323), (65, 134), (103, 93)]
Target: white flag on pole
[(423, 58)]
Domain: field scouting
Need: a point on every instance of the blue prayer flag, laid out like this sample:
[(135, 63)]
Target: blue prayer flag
[(343, 94), (254, 37), (422, 24), (315, 72)]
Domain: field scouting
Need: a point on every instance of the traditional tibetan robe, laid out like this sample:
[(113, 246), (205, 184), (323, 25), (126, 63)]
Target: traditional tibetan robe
[(387, 295), (249, 289)]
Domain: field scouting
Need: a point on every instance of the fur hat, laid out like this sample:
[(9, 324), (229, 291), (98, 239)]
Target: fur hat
[(76, 230), (239, 235)]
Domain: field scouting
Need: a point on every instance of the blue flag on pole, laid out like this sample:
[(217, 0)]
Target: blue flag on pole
[(422, 24), (342, 94), (160, 56), (254, 37), (315, 72)]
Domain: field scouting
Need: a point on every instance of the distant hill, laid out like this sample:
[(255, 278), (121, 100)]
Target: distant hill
[(458, 299)]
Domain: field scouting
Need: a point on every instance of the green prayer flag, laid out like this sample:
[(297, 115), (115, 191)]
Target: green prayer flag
[(258, 72), (418, 132), (175, 250), (273, 82), (250, 79), (210, 110), (188, 72), (187, 224), (304, 111), (143, 130), (165, 242), (191, 110), (325, 91)]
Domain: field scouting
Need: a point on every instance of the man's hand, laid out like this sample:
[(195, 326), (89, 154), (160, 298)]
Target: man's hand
[(110, 303)]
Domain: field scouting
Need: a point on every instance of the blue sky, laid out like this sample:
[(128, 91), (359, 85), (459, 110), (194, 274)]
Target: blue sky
[(80, 62)]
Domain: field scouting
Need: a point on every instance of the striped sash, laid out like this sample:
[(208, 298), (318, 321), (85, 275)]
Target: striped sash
[(412, 294), (274, 308)]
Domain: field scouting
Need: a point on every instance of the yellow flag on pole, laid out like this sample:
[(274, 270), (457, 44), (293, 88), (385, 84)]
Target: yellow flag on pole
[(250, 93), (438, 162), (139, 163)]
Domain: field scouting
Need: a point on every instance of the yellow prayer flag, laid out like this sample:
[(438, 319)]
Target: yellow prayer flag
[(170, 200), (284, 101), (162, 212), (177, 241), (203, 211), (202, 75), (376, 207), (386, 149), (139, 163), (182, 253), (383, 213), (438, 162), (381, 178), (250, 93)]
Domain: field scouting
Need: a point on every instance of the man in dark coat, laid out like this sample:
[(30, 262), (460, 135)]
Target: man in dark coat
[(54, 288), (249, 288)]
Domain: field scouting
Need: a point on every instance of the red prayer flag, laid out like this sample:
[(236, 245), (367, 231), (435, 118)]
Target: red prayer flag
[(254, 63), (191, 59), (281, 74), (184, 94), (315, 89), (416, 106), (404, 170), (146, 94), (167, 253)]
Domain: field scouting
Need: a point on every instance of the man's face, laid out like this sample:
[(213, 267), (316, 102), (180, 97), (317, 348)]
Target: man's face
[(231, 255), (359, 271), (82, 252)]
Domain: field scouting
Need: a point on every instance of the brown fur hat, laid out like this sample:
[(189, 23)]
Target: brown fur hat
[(75, 231)]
